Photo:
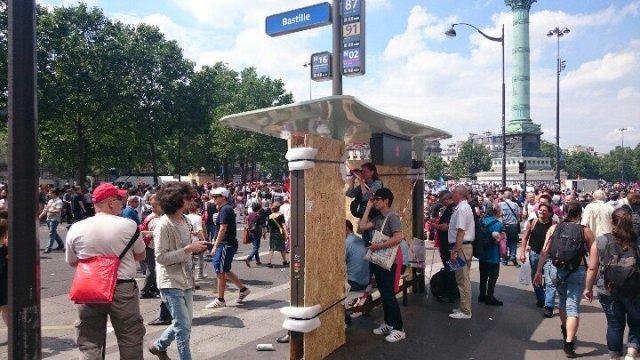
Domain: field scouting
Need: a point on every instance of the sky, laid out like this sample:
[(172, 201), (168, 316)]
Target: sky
[(415, 72)]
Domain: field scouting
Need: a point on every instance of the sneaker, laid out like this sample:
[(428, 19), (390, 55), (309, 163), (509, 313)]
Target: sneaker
[(201, 277), (246, 261), (160, 354), (539, 304), (395, 336), (548, 312), (383, 329), (215, 304), (482, 298), (456, 310), (159, 321), (460, 316), (47, 250), (243, 295)]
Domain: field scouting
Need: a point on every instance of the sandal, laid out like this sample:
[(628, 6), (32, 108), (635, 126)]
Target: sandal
[(269, 265)]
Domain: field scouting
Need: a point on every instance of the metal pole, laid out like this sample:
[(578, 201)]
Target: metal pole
[(558, 116), (24, 248), (336, 86), (504, 139)]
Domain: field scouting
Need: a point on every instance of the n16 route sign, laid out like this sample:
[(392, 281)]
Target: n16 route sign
[(297, 20), (321, 66), (352, 39)]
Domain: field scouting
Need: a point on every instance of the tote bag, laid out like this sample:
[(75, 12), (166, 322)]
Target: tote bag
[(383, 257), (95, 279)]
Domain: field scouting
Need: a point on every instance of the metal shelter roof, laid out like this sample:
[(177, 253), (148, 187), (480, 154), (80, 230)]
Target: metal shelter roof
[(339, 117)]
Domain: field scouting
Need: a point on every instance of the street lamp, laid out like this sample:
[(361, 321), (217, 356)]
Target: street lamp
[(558, 33), (452, 33), (622, 130), (309, 65)]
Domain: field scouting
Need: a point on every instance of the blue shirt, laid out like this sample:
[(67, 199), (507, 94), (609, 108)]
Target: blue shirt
[(508, 208), (492, 253), (131, 213), (357, 266)]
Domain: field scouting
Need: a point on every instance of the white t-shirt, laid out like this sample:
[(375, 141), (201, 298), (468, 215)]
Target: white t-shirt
[(104, 235), (462, 218), (52, 205), (196, 221)]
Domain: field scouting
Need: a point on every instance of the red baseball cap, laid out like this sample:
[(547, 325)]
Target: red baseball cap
[(105, 191)]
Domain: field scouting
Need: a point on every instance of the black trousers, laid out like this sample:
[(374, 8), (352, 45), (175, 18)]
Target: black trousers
[(385, 280), (488, 277), (150, 273)]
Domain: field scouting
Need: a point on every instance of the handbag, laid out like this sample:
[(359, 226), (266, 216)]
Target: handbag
[(245, 236), (95, 279), (383, 257)]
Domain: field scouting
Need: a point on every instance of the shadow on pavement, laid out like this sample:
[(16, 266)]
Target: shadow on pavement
[(223, 321), (512, 331), (53, 346)]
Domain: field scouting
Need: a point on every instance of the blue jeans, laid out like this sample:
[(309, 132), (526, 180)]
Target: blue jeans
[(539, 290), (180, 304), (211, 232), (616, 310), (512, 239), (570, 287), (53, 234), (255, 240), (550, 273)]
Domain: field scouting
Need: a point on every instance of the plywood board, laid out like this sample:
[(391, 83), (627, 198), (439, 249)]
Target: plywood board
[(325, 267)]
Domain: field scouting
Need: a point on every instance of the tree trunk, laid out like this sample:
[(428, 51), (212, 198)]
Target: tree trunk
[(81, 174), (225, 168), (154, 161)]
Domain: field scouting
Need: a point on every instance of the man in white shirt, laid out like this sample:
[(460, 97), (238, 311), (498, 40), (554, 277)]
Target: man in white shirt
[(597, 215), (53, 213), (108, 234), (461, 236)]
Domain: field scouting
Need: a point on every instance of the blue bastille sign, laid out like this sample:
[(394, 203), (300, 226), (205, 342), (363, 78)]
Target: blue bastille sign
[(297, 20)]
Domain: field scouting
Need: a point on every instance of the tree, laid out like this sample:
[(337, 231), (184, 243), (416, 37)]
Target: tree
[(434, 167), (81, 87), (618, 160), (549, 150), (582, 164), (471, 159)]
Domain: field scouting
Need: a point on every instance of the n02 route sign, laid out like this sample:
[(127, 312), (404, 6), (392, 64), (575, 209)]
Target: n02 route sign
[(321, 66), (353, 38)]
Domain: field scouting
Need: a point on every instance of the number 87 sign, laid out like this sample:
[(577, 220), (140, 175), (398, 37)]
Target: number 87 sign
[(352, 38)]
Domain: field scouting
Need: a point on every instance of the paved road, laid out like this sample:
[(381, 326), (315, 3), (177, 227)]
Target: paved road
[(514, 331)]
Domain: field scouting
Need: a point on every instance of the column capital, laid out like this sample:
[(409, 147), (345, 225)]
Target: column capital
[(519, 4)]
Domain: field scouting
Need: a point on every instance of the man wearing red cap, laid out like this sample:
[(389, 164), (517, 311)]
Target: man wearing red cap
[(107, 234)]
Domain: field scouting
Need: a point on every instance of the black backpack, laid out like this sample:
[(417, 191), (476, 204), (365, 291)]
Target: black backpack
[(438, 285), (621, 268), (484, 239), (568, 245)]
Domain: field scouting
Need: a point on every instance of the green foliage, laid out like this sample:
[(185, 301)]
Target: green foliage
[(434, 167), (471, 159), (582, 164), (122, 96)]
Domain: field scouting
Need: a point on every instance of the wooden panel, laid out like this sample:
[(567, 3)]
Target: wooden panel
[(325, 267)]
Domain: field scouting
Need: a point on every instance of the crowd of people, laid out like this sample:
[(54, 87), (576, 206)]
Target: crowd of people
[(570, 240)]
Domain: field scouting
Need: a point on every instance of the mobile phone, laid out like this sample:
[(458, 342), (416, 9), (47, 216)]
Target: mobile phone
[(210, 246)]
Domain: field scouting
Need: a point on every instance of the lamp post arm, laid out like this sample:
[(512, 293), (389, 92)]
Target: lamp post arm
[(492, 38)]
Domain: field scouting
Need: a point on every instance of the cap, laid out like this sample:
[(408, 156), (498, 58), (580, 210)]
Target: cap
[(220, 191), (105, 191)]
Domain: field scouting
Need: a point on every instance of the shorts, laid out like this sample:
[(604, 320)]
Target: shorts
[(570, 287), (223, 258)]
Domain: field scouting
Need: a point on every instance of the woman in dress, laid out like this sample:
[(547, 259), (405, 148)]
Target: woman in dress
[(277, 234)]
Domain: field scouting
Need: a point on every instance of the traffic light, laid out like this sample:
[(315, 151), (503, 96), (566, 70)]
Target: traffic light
[(522, 167)]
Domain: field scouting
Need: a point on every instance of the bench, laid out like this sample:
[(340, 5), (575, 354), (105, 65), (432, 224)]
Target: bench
[(374, 298)]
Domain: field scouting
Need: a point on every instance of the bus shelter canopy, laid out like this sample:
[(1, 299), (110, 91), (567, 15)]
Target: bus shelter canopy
[(341, 117)]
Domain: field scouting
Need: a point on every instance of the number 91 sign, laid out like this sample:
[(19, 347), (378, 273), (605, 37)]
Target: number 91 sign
[(352, 38)]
